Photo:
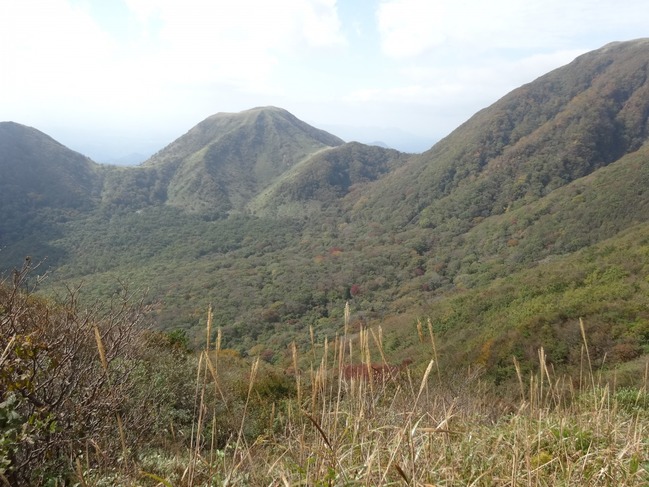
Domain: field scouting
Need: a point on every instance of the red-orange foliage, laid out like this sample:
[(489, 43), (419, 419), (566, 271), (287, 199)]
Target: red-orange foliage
[(378, 372)]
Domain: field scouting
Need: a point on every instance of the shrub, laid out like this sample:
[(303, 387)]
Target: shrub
[(64, 380)]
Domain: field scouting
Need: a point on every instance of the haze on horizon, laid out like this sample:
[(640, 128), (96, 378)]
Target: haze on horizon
[(129, 76)]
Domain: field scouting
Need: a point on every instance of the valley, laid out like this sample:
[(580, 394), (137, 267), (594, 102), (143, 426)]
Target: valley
[(514, 254)]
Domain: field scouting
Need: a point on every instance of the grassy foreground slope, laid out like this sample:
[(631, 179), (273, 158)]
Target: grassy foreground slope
[(91, 398)]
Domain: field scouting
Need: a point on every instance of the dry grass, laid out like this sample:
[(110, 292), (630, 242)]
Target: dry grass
[(416, 430)]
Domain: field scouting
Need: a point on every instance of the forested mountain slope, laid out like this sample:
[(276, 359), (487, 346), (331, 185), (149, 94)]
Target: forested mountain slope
[(42, 183), (278, 224), (37, 171), (325, 178), (228, 159), (537, 138)]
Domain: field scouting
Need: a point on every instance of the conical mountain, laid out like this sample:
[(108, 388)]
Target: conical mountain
[(228, 159), (539, 137)]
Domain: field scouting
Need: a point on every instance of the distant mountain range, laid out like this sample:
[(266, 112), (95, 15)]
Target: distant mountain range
[(278, 223)]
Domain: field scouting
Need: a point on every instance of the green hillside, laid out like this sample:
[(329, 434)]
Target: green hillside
[(62, 179), (228, 159), (260, 301), (278, 224), (42, 183), (324, 179), (534, 140)]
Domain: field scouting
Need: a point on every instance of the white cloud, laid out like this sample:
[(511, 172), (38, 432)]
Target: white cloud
[(409, 28), (57, 64), (272, 24), (464, 87), (141, 66), (54, 52), (236, 43), (50, 44)]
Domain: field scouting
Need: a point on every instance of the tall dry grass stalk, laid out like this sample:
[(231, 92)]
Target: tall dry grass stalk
[(435, 358), (118, 417), (197, 423), (585, 341), (208, 368), (296, 369), (208, 329), (79, 472), (7, 350), (101, 350)]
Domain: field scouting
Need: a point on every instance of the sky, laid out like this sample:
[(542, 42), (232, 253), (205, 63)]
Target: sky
[(113, 78)]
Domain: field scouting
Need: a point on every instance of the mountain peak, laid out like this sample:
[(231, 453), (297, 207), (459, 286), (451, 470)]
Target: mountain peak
[(228, 158), (268, 108), (641, 42), (245, 114), (18, 131)]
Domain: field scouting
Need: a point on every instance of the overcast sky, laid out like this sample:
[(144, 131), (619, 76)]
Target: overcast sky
[(109, 77)]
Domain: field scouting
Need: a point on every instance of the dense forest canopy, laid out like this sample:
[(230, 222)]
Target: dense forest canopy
[(278, 224), (191, 317)]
